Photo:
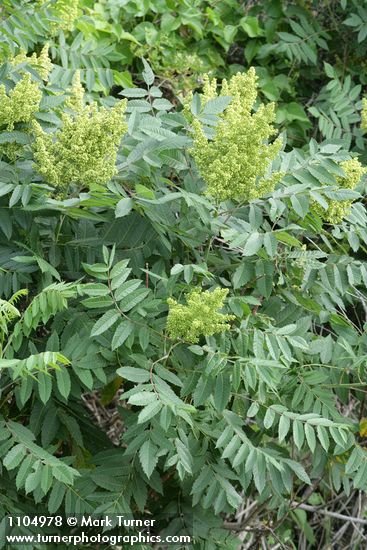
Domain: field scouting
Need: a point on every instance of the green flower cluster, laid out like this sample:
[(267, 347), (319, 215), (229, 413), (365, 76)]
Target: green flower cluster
[(67, 12), (21, 103), (364, 114), (338, 210), (84, 150), (172, 61), (75, 101), (235, 162), (199, 316), (42, 63)]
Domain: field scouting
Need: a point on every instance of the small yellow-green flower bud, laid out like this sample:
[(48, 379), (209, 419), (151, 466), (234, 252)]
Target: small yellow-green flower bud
[(199, 317)]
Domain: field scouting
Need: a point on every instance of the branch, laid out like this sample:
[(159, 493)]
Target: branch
[(309, 508)]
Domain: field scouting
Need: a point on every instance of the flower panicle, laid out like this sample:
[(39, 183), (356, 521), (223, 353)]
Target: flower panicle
[(338, 210), (84, 150), (199, 316), (235, 163), (21, 103)]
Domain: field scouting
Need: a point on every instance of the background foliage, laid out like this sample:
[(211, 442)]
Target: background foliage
[(258, 430)]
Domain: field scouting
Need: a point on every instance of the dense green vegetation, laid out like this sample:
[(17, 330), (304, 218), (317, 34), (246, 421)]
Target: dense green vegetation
[(183, 269)]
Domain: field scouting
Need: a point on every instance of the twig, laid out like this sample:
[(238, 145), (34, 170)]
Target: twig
[(315, 509), (234, 526), (244, 512)]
